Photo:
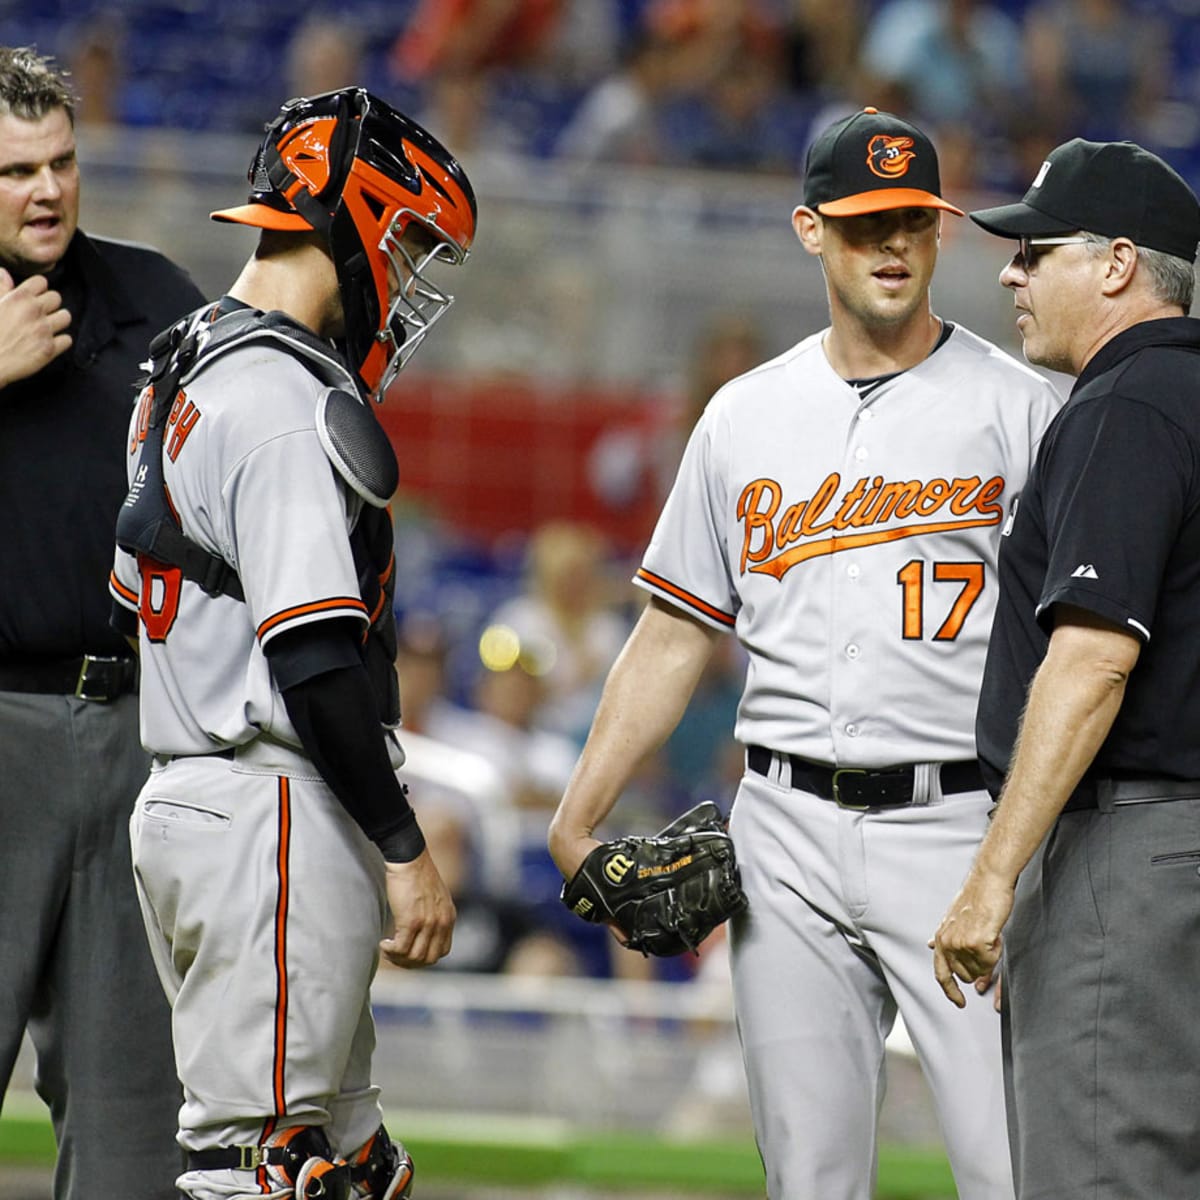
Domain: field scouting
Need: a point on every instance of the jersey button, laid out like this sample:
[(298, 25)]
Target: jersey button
[(866, 414), (852, 651), (852, 730), (861, 454), (854, 570)]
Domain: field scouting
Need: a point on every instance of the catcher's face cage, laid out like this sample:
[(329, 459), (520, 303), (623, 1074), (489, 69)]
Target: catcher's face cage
[(359, 172), (417, 302)]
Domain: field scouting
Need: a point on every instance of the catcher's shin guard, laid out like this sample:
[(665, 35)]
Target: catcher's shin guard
[(382, 1169)]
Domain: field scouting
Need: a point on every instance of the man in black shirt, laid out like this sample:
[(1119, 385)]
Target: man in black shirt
[(76, 317), (1090, 698)]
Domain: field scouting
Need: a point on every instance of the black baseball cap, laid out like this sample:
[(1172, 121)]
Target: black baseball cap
[(1116, 189), (869, 162)]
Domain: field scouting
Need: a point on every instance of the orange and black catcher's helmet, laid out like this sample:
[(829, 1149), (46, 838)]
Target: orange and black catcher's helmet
[(360, 173)]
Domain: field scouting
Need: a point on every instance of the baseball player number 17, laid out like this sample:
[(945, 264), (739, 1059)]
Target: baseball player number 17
[(911, 577)]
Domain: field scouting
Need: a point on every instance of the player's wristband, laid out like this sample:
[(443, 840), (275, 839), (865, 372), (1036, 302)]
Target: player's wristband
[(404, 842)]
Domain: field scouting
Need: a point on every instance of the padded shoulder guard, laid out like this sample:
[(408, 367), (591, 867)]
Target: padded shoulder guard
[(665, 893), (357, 446)]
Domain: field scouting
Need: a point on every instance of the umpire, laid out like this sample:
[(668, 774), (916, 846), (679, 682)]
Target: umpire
[(1095, 845), (76, 317)]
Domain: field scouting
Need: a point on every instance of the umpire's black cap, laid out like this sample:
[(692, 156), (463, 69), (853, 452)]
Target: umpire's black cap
[(1116, 189)]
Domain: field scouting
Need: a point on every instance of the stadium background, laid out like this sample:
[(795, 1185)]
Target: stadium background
[(561, 386)]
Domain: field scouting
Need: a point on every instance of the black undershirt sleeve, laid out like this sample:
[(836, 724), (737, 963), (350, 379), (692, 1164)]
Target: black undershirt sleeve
[(328, 697)]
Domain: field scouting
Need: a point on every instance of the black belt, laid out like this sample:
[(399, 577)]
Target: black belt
[(236, 1158), (1129, 790), (92, 677), (861, 788)]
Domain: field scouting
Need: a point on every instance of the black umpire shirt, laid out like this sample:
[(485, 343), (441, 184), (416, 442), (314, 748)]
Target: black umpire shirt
[(62, 459), (1109, 521)]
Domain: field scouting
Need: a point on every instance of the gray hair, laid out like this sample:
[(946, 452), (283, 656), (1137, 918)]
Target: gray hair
[(31, 85), (1172, 279)]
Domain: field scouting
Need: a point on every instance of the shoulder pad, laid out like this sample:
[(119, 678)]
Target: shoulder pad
[(357, 446)]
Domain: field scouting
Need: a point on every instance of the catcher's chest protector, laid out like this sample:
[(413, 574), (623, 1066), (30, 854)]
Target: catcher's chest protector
[(351, 437)]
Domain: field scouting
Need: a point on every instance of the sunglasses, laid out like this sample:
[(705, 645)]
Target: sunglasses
[(1026, 259)]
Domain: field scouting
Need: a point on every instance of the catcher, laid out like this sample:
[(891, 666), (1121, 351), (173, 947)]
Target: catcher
[(663, 894)]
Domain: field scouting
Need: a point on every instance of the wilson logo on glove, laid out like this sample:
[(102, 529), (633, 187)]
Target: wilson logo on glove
[(617, 868), (664, 894)]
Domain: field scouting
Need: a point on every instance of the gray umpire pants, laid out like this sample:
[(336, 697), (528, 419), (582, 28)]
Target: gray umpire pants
[(1101, 986), (75, 966)]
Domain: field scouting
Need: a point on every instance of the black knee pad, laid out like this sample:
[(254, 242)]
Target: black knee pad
[(382, 1169)]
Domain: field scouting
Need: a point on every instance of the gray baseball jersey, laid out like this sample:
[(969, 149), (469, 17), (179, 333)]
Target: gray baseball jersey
[(849, 537), (249, 480), (851, 544)]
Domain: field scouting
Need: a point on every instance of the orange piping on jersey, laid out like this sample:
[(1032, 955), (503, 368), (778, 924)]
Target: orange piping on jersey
[(260, 1176), (283, 883), (304, 610), (692, 601), (781, 564), (120, 589)]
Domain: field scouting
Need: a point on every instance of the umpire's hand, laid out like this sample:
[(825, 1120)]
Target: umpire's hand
[(422, 913), (968, 942)]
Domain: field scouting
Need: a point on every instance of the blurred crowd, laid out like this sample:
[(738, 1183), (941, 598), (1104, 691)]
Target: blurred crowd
[(721, 84)]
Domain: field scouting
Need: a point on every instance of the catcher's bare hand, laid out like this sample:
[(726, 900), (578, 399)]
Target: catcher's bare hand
[(422, 914), (33, 327), (968, 942)]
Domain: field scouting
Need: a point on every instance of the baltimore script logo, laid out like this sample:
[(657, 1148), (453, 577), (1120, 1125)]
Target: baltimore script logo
[(777, 536)]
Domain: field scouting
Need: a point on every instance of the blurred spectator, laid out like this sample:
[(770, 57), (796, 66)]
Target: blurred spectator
[(324, 54), (586, 41), (821, 42), (96, 65), (507, 692), (421, 652), (701, 754), (958, 61), (742, 119), (492, 933), (709, 35), (450, 49), (1097, 67), (620, 120), (469, 36), (729, 344), (568, 608)]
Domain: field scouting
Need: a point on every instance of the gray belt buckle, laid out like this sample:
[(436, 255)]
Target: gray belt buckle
[(253, 1157), (837, 791)]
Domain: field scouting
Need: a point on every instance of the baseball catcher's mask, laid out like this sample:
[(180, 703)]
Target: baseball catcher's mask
[(364, 176)]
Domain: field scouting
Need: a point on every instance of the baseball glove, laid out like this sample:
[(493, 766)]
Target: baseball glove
[(664, 893)]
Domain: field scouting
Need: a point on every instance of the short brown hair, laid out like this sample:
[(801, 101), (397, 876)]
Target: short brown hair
[(31, 85)]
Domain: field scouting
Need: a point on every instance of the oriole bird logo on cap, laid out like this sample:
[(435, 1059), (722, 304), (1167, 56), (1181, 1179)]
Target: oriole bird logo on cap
[(888, 157)]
